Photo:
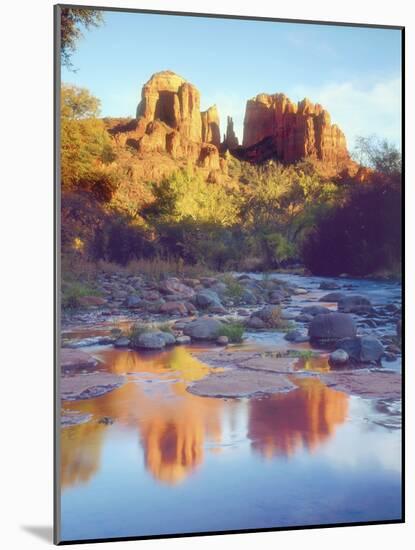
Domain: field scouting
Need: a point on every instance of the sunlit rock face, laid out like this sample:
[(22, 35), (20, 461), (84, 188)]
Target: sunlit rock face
[(211, 126), (305, 418), (169, 121), (294, 130)]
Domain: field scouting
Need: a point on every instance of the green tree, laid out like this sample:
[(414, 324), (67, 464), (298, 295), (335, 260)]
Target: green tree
[(379, 154), (72, 20), (86, 148)]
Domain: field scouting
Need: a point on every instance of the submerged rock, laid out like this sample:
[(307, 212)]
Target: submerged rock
[(375, 385), (76, 359), (241, 383), (88, 386)]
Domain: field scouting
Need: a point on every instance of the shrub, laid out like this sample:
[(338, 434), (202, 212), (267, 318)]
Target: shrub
[(73, 291), (234, 289), (234, 331)]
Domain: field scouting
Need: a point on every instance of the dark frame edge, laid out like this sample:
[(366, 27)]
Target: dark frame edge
[(234, 16), (56, 271)]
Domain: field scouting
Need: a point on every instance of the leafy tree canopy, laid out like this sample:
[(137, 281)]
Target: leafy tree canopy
[(72, 20)]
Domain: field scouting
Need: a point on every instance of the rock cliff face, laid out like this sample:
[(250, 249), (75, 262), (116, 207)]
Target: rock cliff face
[(169, 121), (211, 126), (292, 131), (171, 130), (230, 141)]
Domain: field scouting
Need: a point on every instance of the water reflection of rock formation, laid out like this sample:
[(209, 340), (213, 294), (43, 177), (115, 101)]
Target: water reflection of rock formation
[(173, 425), (80, 453), (303, 418)]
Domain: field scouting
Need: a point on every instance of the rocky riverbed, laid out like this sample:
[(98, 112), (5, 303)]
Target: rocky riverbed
[(263, 388), (352, 327)]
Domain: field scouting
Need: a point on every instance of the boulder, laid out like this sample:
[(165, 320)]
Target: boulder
[(315, 310), (134, 302), (169, 339), (332, 327), (174, 286), (256, 323), (296, 336), (338, 357), (363, 349), (122, 342), (333, 297), (203, 329), (222, 340), (207, 298), (355, 303), (76, 359), (183, 340), (149, 340), (329, 285), (270, 315), (173, 308), (276, 296)]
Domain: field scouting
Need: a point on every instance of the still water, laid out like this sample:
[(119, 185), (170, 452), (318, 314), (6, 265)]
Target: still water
[(173, 462)]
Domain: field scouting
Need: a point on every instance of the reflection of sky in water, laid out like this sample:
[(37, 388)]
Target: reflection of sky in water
[(176, 462)]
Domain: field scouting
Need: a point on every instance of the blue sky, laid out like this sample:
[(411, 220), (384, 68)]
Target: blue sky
[(355, 73)]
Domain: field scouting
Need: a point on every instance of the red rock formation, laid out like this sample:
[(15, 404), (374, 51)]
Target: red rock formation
[(210, 126), (230, 140), (293, 131), (169, 121)]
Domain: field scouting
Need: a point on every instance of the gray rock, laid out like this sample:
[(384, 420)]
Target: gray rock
[(222, 340), (364, 349), (296, 336), (331, 327), (354, 303), (315, 310), (220, 288), (329, 285), (174, 286), (248, 297), (276, 296), (269, 314), (150, 340), (371, 349), (182, 340), (207, 298), (169, 339), (256, 323), (134, 301), (333, 297), (299, 291), (339, 357), (288, 315), (203, 329), (304, 318), (122, 342)]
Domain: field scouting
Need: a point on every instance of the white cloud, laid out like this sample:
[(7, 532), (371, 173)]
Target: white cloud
[(358, 110)]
